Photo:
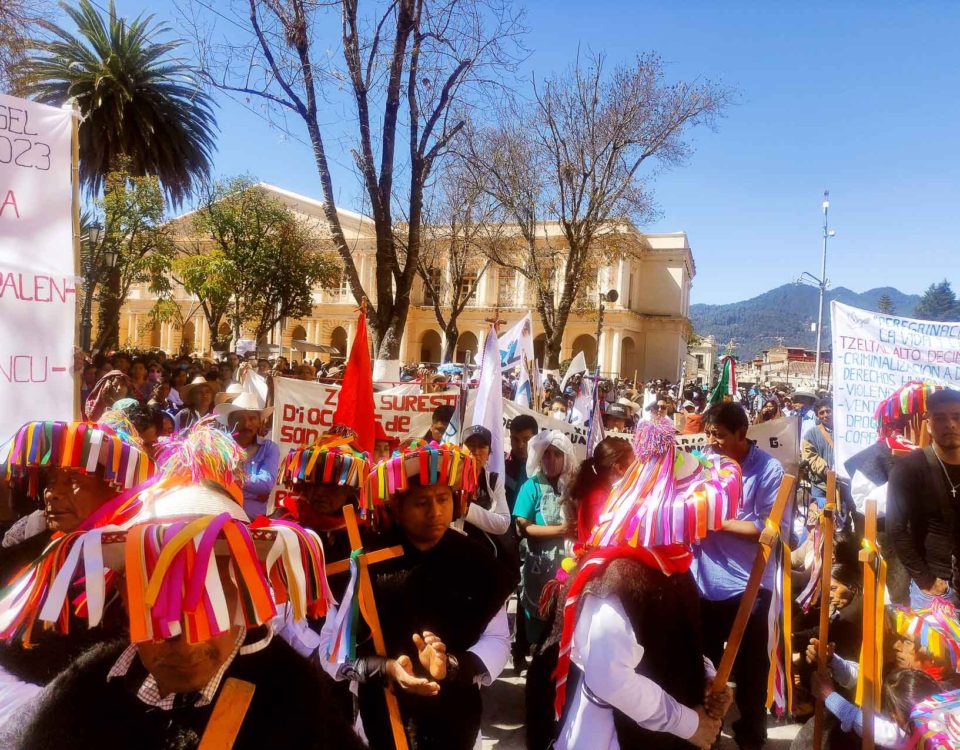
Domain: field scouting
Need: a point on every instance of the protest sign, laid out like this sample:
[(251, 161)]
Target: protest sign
[(873, 355), (37, 264), (778, 437)]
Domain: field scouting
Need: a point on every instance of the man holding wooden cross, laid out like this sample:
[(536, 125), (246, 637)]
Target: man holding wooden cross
[(722, 564), (441, 608)]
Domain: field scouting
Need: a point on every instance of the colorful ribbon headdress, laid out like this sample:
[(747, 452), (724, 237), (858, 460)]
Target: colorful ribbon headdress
[(428, 463), (667, 496), (332, 459), (169, 551), (908, 401), (111, 444), (935, 631), (667, 501)]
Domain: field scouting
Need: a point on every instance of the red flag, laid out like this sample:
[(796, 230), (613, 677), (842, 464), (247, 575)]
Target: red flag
[(355, 405)]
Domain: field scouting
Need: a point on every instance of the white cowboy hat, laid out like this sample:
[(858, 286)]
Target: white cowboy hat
[(196, 383), (244, 402), (233, 390), (632, 405)]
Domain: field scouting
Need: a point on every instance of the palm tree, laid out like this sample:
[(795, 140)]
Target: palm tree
[(138, 102)]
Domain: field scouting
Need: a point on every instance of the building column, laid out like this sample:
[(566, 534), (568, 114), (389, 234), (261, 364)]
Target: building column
[(615, 351), (620, 290)]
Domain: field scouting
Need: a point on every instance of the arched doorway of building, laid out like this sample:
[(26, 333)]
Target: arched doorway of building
[(299, 333), (338, 340), (187, 334), (467, 343), (540, 349), (588, 345), (431, 347), (629, 358)]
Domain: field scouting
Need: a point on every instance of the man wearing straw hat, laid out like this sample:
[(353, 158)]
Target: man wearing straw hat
[(441, 607), (199, 585), (245, 417)]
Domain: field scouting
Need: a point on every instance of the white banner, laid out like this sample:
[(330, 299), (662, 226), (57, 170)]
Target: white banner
[(873, 355), (778, 437), (37, 266)]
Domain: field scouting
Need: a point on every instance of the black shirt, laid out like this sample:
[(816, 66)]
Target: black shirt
[(921, 516)]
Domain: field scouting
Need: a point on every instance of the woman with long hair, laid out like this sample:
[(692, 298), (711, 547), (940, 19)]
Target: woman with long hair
[(592, 482), (770, 410)]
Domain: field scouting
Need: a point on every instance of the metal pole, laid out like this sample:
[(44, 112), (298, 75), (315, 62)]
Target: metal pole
[(599, 330), (823, 285)]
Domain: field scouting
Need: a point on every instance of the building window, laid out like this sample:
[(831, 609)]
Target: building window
[(507, 288), (436, 283), (468, 281), (342, 290), (699, 361)]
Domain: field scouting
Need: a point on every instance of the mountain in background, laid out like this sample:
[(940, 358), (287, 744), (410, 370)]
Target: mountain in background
[(788, 312)]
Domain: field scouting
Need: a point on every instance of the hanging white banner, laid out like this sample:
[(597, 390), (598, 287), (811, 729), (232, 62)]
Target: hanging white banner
[(37, 264), (873, 355)]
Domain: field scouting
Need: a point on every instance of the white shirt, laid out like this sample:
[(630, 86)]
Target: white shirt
[(605, 649), (863, 489), (496, 520)]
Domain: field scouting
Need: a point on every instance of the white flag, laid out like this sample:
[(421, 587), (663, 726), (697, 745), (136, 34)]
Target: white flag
[(488, 408), (524, 395), (577, 365), (516, 345)]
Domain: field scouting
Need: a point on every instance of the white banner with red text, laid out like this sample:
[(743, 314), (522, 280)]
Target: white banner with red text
[(38, 282)]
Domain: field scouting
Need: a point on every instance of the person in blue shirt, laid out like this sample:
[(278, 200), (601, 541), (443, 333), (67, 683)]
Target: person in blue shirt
[(244, 418), (722, 564)]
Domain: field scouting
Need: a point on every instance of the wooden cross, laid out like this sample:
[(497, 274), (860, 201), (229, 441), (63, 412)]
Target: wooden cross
[(368, 608), (753, 586), (826, 563), (869, 664), (496, 321)]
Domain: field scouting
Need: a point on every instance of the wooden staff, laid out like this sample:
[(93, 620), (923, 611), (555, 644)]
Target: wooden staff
[(75, 213), (753, 586), (826, 562), (228, 714), (869, 668), (368, 608)]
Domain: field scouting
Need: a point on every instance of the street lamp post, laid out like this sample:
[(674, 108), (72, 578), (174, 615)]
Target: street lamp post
[(611, 296), (86, 323), (821, 282)]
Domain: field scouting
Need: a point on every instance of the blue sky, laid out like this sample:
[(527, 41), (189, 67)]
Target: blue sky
[(858, 97)]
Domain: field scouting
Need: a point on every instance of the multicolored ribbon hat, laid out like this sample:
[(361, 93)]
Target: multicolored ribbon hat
[(168, 538), (426, 463), (908, 401), (667, 501), (335, 458), (935, 631), (668, 496), (112, 444), (937, 722)]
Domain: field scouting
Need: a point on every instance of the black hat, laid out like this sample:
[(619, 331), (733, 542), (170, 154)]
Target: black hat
[(478, 431), (617, 410)]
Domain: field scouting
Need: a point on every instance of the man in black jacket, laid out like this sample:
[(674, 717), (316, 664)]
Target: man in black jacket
[(922, 504)]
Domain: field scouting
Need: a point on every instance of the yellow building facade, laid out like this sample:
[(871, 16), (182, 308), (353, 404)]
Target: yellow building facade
[(644, 332)]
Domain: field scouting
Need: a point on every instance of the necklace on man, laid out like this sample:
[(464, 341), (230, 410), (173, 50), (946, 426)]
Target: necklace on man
[(953, 487)]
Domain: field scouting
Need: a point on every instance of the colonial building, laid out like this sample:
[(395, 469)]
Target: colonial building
[(701, 358), (790, 367), (644, 332)]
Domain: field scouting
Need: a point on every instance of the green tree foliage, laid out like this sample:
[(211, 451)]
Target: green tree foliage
[(885, 304), (251, 259), (137, 99), (131, 213), (938, 303)]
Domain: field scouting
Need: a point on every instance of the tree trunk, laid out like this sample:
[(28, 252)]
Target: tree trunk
[(450, 335), (108, 324), (554, 344)]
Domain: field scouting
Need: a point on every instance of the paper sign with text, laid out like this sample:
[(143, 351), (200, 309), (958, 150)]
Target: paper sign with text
[(873, 355), (778, 437), (38, 292)]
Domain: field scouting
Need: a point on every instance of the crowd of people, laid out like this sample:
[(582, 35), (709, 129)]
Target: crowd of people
[(152, 587)]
